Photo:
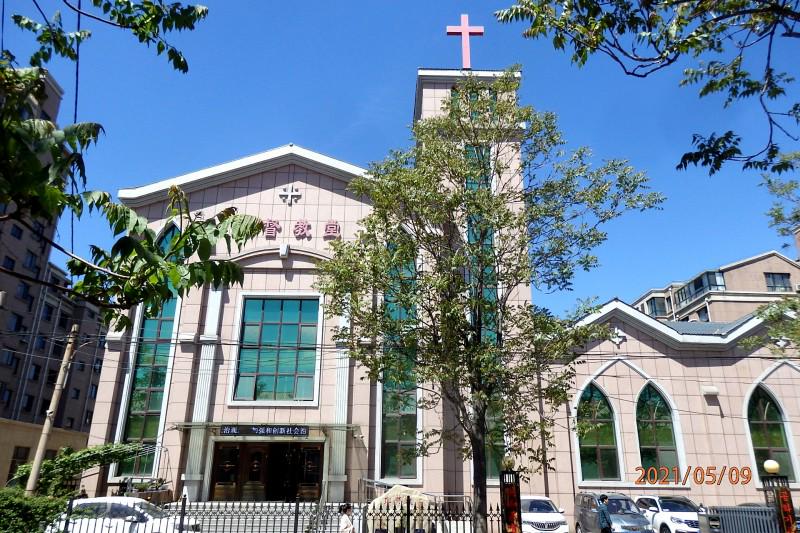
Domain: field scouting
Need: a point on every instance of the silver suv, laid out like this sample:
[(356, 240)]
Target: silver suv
[(625, 516)]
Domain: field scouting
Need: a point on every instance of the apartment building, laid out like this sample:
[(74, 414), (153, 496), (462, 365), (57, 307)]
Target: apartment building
[(726, 293), (34, 322)]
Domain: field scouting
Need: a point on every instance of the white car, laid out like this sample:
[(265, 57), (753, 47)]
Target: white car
[(670, 514), (120, 514), (539, 514)]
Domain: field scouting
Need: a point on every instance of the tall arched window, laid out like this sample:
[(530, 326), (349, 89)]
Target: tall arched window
[(767, 433), (145, 405), (597, 441), (656, 435)]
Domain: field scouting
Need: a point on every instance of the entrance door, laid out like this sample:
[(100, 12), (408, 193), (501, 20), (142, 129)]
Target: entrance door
[(267, 471)]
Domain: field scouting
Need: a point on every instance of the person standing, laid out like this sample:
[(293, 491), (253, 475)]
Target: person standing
[(346, 518), (604, 515)]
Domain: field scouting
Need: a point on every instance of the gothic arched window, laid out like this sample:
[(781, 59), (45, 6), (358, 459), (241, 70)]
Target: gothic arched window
[(767, 433), (597, 441), (654, 424)]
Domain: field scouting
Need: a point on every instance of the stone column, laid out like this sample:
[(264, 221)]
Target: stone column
[(338, 436), (193, 476)]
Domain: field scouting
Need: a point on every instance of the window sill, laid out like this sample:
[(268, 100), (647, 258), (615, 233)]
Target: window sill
[(273, 403)]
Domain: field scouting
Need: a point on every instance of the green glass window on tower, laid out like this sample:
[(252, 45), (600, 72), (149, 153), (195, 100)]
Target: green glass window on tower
[(597, 442), (495, 446), (656, 436), (149, 382), (278, 349), (483, 274), (768, 433), (399, 396)]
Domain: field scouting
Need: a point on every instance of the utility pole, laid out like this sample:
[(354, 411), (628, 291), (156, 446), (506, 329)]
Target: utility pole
[(47, 427)]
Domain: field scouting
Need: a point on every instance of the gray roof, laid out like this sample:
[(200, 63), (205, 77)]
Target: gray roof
[(707, 328)]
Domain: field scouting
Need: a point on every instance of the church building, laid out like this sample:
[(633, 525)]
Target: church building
[(241, 393)]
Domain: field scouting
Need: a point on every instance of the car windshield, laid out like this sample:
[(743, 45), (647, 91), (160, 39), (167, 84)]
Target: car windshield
[(678, 506), (151, 509), (622, 506), (538, 506)]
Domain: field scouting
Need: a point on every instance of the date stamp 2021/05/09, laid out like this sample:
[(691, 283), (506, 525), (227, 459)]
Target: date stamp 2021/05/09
[(697, 475)]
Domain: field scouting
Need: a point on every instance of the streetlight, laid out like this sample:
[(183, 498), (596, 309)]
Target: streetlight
[(777, 495)]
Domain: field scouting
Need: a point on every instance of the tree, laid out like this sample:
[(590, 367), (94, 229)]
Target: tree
[(43, 174), (436, 283), (733, 46), (59, 473)]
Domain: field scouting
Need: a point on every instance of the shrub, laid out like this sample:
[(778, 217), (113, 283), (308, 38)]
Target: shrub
[(25, 514)]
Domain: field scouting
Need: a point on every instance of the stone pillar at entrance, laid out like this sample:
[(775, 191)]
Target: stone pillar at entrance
[(193, 477), (338, 436)]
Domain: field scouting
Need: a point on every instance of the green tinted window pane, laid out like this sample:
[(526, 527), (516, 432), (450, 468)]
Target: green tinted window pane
[(649, 457), (664, 434), (286, 361), (608, 463), (244, 389), (150, 328), (146, 464), (588, 436), (309, 311), (272, 311), (308, 335), (668, 458), (145, 356), (305, 388), (589, 467), (288, 335), (248, 361), (125, 467), (138, 400), (252, 310), (155, 401), (135, 425), (408, 403), (391, 402), (265, 388), (391, 428), (268, 360), (166, 330), (291, 311), (605, 433), (772, 411), (784, 459), (776, 436), (408, 462), (141, 379), (162, 354), (408, 427), (168, 309), (251, 334), (285, 388), (762, 455), (494, 461), (389, 461), (151, 426), (647, 436), (269, 335), (158, 377), (758, 435), (306, 361)]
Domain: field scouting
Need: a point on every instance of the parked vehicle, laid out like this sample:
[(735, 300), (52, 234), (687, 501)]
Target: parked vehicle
[(670, 514), (120, 514), (625, 516), (539, 514)]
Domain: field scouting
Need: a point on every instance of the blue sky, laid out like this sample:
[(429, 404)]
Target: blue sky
[(338, 78)]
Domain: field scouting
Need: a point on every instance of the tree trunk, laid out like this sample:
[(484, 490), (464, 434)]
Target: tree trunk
[(478, 443)]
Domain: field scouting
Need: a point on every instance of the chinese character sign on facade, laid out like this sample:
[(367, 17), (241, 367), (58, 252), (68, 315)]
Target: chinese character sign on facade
[(332, 230), (302, 229), (271, 228)]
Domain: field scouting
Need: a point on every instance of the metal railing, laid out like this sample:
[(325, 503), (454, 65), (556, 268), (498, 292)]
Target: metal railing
[(124, 515)]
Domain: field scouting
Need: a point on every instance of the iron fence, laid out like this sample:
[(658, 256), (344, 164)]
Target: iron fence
[(129, 515)]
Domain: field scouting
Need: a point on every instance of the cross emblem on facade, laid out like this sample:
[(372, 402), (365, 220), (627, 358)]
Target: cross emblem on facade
[(465, 30), (618, 337), (289, 194)]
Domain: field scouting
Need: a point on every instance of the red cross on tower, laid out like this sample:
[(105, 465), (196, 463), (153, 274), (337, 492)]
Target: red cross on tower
[(465, 30)]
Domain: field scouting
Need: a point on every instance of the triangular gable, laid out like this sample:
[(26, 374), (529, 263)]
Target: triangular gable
[(246, 166), (661, 331)]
